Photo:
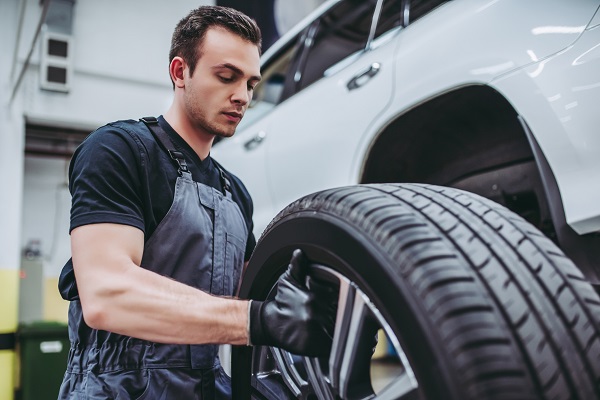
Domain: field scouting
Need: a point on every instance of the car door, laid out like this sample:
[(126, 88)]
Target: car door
[(343, 56), (335, 88)]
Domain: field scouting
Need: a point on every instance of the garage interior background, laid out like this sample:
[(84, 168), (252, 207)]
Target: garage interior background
[(67, 67)]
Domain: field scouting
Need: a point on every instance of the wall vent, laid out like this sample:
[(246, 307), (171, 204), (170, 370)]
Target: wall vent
[(56, 61)]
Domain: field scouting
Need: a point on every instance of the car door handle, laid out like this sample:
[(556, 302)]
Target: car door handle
[(363, 77), (255, 141)]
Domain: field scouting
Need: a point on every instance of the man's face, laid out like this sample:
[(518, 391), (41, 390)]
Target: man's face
[(217, 94)]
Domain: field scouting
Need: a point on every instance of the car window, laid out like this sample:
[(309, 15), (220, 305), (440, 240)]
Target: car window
[(268, 93), (387, 23), (390, 17), (342, 31), (418, 8)]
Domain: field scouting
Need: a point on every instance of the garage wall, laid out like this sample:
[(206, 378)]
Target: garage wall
[(120, 61), (11, 158), (45, 223), (120, 70)]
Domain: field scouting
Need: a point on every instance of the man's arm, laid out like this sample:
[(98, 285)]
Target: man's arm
[(118, 295)]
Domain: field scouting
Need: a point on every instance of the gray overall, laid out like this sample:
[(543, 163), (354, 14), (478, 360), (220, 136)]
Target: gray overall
[(200, 242)]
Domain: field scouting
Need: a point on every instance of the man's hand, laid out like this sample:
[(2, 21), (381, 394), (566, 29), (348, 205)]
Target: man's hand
[(300, 319)]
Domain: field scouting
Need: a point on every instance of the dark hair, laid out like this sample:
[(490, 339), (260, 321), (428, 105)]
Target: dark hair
[(190, 31)]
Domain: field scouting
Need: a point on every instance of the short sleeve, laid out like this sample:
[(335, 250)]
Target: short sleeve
[(104, 180)]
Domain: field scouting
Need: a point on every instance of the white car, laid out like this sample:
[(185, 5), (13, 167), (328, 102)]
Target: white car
[(494, 97)]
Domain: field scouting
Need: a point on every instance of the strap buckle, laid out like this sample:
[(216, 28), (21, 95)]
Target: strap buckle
[(225, 181), (180, 160), (149, 120), (162, 137)]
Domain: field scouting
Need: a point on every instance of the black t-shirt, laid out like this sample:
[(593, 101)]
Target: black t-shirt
[(120, 174)]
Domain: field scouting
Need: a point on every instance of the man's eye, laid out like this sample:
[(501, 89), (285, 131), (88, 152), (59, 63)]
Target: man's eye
[(226, 79)]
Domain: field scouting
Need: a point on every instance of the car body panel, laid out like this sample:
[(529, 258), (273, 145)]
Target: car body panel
[(595, 21), (249, 163), (561, 108), (478, 63), (321, 136), (335, 126)]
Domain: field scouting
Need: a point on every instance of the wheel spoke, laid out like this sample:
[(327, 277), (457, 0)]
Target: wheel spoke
[(349, 367), (321, 385), (289, 372), (346, 373), (342, 323)]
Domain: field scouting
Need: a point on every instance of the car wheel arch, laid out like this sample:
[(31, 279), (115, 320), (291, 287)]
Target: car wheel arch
[(478, 139)]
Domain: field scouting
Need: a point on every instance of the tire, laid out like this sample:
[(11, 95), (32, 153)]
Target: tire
[(475, 301)]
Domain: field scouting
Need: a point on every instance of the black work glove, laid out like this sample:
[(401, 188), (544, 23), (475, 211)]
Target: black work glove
[(300, 319)]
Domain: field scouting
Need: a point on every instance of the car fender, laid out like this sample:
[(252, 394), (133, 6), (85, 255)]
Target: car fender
[(558, 98), (538, 37)]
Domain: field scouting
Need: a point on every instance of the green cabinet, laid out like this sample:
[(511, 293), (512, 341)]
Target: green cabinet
[(43, 348)]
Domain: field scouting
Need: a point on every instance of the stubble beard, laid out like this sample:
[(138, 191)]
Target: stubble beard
[(214, 129), (203, 124), (224, 134)]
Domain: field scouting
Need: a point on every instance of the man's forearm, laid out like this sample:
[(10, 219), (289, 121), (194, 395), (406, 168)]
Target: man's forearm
[(118, 295), (149, 306)]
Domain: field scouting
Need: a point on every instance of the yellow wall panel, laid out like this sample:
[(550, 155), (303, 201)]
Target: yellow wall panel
[(55, 308), (7, 375), (9, 297)]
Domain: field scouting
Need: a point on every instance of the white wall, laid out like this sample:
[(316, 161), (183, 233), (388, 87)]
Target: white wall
[(46, 209), (11, 143), (120, 70), (120, 61)]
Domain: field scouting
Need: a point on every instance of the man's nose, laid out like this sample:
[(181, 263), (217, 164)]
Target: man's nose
[(241, 95)]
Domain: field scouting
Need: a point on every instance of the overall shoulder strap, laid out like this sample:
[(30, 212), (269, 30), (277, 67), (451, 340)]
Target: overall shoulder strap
[(163, 138), (224, 179), (167, 144)]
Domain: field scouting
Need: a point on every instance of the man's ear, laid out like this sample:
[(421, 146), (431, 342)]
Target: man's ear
[(176, 69)]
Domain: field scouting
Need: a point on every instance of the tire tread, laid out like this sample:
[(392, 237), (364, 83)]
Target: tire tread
[(489, 265)]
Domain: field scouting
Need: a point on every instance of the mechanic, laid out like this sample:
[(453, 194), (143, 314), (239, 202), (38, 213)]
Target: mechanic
[(160, 234)]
